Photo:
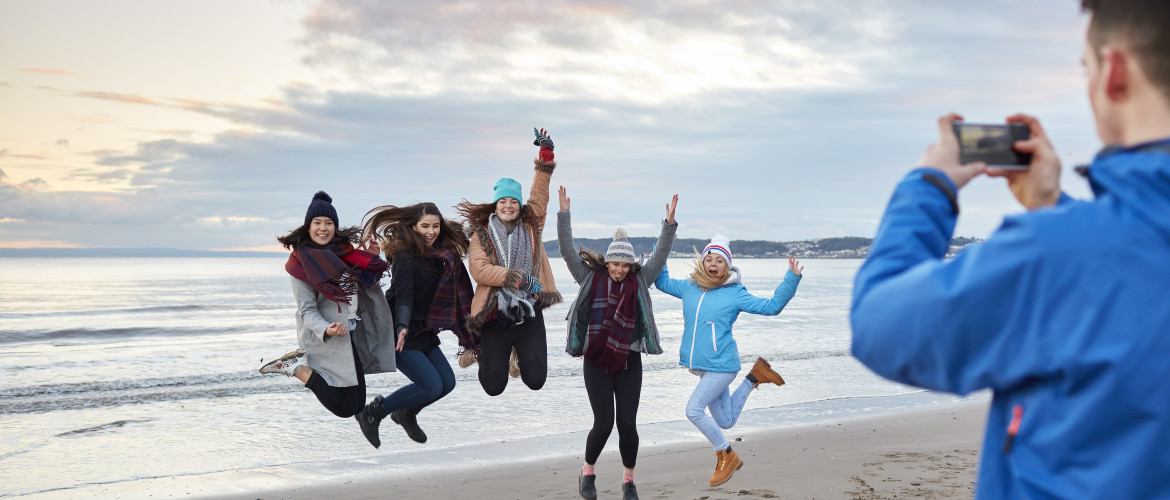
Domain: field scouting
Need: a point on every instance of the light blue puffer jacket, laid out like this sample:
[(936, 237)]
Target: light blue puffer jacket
[(708, 315)]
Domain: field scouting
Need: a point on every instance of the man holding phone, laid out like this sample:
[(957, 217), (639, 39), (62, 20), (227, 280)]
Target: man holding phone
[(1062, 311)]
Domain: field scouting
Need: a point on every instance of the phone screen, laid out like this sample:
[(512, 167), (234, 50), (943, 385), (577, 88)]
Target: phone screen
[(992, 144)]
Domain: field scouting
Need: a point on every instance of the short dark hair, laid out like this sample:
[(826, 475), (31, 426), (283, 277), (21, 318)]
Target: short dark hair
[(1141, 26)]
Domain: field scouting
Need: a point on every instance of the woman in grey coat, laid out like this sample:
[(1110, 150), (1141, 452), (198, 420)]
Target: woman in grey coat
[(610, 323), (339, 341)]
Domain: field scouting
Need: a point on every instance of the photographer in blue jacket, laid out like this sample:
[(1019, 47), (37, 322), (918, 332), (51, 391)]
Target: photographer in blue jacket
[(1061, 312)]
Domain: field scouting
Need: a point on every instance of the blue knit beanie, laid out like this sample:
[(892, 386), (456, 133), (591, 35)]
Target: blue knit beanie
[(321, 206), (508, 188)]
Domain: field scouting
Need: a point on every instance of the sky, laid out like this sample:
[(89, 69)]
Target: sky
[(210, 125)]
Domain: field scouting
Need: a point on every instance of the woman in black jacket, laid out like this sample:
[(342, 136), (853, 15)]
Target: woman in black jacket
[(430, 291)]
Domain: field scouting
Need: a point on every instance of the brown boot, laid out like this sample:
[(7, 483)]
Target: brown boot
[(763, 373), (726, 463)]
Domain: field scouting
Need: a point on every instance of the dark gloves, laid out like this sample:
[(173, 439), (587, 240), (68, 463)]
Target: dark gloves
[(529, 284), (546, 144)]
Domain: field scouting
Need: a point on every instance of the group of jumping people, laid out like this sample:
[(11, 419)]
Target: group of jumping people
[(336, 279)]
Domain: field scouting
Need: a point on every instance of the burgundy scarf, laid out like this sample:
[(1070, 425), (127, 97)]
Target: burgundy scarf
[(335, 270), (611, 321), (452, 302)]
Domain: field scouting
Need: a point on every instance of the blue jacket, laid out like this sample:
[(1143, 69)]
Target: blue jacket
[(1062, 313), (709, 314)]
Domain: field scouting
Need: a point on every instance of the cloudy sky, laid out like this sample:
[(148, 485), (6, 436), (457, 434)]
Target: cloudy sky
[(209, 125)]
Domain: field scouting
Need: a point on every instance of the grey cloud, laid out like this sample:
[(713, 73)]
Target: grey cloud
[(756, 163), (148, 152)]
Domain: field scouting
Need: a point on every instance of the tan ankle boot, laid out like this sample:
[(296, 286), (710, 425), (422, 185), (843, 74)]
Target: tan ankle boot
[(726, 463), (764, 373)]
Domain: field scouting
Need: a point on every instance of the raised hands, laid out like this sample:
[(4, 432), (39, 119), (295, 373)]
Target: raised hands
[(794, 265), (546, 144), (1039, 185), (670, 209), (564, 198)]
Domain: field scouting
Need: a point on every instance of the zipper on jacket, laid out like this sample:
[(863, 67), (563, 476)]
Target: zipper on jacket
[(713, 346), (1013, 428), (695, 330)]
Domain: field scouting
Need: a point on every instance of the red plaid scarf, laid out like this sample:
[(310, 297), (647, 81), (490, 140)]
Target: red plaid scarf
[(335, 270), (611, 321), (452, 302)]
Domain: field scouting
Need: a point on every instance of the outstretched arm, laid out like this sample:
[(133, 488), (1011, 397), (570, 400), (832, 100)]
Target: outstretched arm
[(784, 292), (545, 164), (565, 240), (653, 266), (668, 285)]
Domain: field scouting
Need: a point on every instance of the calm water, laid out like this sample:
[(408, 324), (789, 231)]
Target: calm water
[(121, 369)]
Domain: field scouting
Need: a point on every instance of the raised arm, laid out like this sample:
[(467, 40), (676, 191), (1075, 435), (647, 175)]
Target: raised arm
[(573, 259), (657, 261), (545, 163)]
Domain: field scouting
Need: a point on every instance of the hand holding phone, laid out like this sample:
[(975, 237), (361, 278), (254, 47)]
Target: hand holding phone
[(993, 144)]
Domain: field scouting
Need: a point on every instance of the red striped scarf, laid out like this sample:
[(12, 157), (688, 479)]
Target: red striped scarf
[(336, 270), (452, 302), (611, 321)]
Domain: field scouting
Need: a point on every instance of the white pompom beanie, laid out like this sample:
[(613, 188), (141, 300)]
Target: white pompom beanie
[(720, 245)]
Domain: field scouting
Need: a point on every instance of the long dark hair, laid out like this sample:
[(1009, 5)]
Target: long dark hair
[(299, 237), (477, 214), (394, 227)]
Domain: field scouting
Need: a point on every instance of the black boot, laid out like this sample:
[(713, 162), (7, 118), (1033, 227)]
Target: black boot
[(629, 492), (369, 418), (586, 486), (406, 418)]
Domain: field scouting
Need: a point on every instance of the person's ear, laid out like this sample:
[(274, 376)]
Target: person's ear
[(1117, 65)]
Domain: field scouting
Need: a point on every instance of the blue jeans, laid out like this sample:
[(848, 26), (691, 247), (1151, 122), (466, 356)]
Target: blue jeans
[(713, 392), (431, 375)]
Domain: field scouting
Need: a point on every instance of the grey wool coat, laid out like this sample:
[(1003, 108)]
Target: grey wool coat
[(648, 341), (332, 357)]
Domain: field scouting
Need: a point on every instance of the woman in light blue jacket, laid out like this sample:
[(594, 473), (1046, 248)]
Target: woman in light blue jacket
[(712, 299)]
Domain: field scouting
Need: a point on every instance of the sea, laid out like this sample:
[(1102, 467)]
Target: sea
[(121, 370)]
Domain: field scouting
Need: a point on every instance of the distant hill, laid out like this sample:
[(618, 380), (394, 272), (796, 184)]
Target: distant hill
[(848, 247)]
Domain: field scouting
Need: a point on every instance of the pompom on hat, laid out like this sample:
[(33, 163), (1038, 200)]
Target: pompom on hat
[(719, 245), (321, 206), (620, 250), (507, 188)]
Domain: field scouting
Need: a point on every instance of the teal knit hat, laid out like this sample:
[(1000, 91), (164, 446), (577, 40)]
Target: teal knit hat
[(507, 188)]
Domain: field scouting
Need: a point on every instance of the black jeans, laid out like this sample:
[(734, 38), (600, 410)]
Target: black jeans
[(497, 341), (608, 392), (344, 402)]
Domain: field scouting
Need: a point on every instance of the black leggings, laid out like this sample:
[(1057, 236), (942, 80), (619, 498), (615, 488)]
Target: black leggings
[(607, 391), (344, 402), (497, 341)]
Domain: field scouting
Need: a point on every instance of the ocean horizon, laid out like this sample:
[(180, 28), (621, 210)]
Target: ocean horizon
[(119, 369)]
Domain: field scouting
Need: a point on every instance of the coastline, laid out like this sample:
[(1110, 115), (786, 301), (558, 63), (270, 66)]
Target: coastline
[(927, 451)]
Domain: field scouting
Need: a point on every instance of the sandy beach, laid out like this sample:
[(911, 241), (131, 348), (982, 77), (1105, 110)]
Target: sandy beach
[(927, 453)]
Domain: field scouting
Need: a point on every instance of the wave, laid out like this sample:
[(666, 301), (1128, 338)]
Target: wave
[(149, 310), (67, 334)]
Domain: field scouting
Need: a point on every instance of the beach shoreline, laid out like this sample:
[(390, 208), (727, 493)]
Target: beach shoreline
[(929, 452)]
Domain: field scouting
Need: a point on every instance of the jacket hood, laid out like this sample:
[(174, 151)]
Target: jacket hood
[(1139, 178), (733, 276)]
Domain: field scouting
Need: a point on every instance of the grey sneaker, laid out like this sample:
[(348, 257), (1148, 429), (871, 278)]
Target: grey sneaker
[(286, 364)]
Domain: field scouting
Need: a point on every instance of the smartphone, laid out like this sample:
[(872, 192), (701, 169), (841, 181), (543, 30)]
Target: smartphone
[(992, 144)]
